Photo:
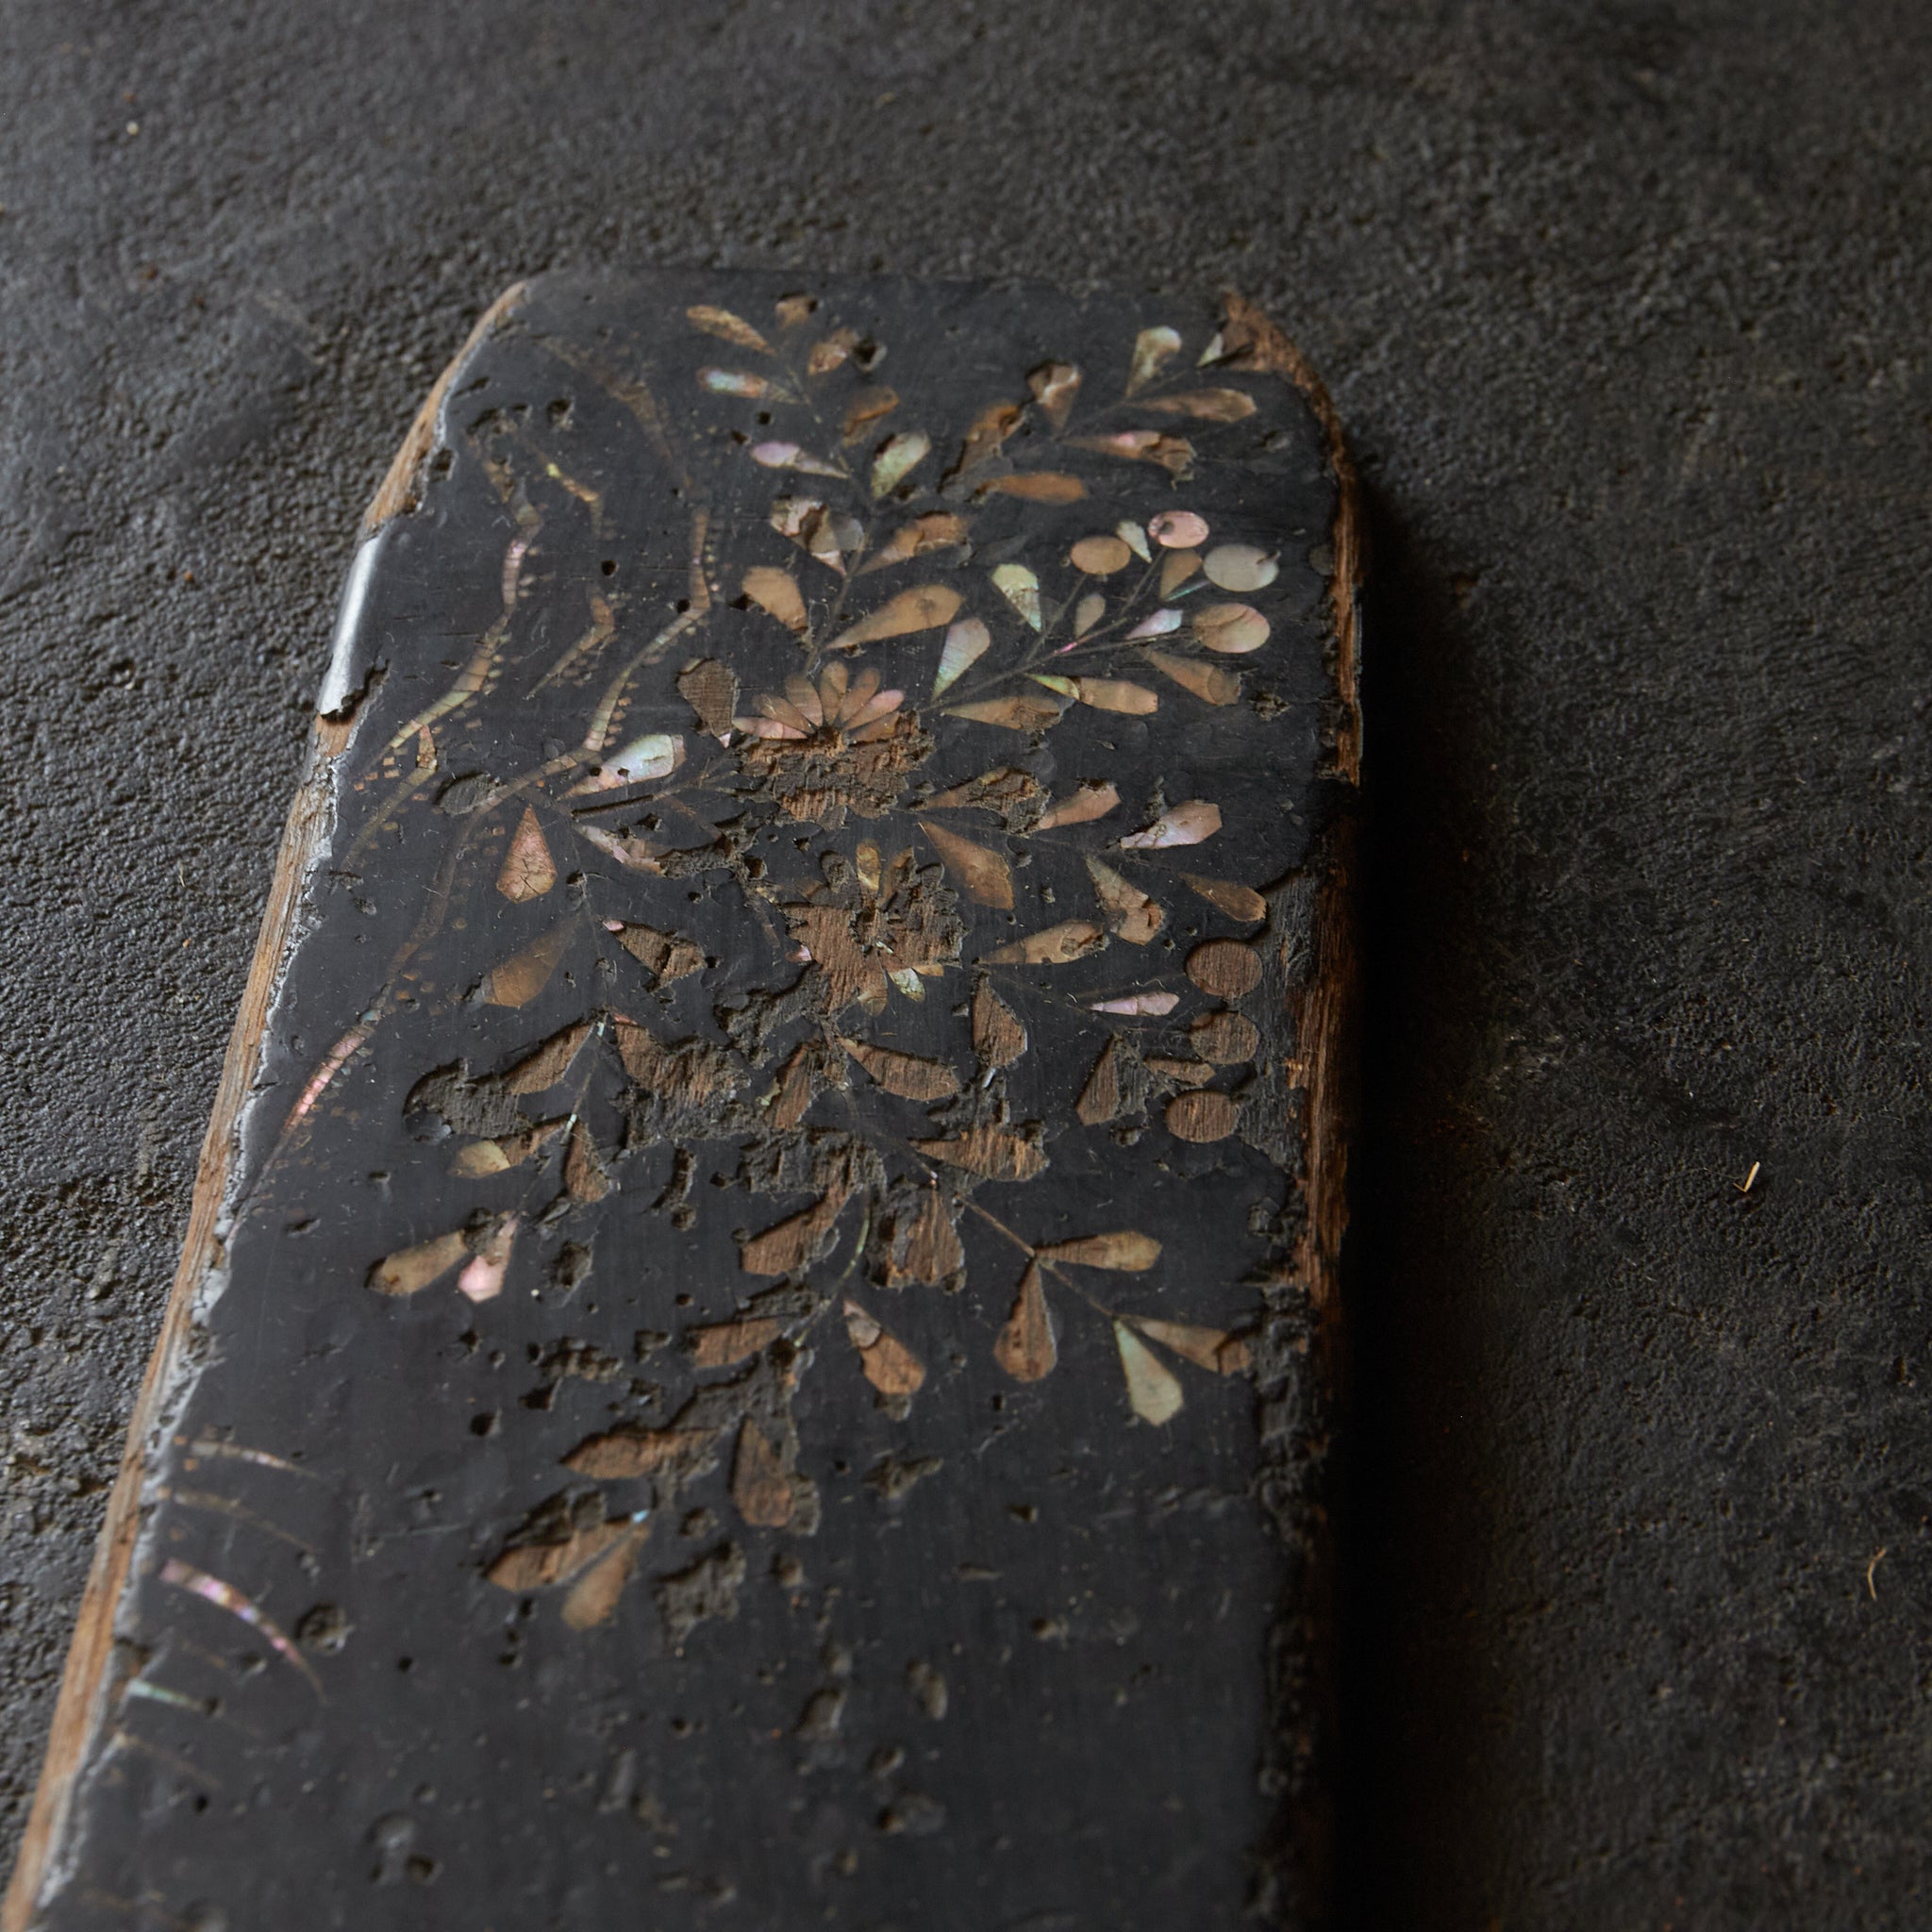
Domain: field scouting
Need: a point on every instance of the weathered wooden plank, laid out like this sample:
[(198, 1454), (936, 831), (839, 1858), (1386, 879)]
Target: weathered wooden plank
[(757, 1335)]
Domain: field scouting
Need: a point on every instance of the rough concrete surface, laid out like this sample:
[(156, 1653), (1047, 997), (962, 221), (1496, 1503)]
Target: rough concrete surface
[(1625, 306)]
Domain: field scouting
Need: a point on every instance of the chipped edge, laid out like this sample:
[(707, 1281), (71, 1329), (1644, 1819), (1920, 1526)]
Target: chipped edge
[(398, 493), (1268, 349), (77, 1706)]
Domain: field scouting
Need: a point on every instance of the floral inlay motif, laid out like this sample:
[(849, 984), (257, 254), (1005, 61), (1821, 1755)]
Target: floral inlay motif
[(906, 720)]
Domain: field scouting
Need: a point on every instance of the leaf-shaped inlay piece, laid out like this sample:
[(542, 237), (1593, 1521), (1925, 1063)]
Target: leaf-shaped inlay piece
[(1135, 538), (1027, 1348), (1100, 557), (830, 354), (928, 1251), (482, 1277), (740, 382), (986, 438), (1131, 914), (1211, 683), (547, 1062), (1212, 1349), (1025, 712), (966, 643), (1093, 800), (410, 1270), (666, 954), (1126, 1251), (828, 536), (1088, 612), (788, 456), (794, 309), (726, 326), (1174, 454), (760, 1484), (1185, 825), (1140, 1005), (1021, 589), (998, 1037), (655, 755), (796, 1241), (528, 870), (989, 1151), (594, 1596), (1238, 901), (1116, 694), (478, 1159), (938, 529), (1154, 349), (722, 1343), (798, 1083), (1205, 404), (1241, 567), (625, 1452), (1177, 566), (897, 458), (986, 875), (1157, 623), (866, 408), (1232, 628), (524, 975), (890, 1366), (777, 592), (1058, 945), (904, 1073), (1152, 1391), (924, 608), (584, 1178), (1036, 485), (526, 1567), (1055, 387), (1004, 790), (1100, 1098)]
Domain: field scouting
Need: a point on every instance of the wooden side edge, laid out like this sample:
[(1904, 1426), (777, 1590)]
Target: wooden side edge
[(76, 1709), (75, 1712), (1324, 1033)]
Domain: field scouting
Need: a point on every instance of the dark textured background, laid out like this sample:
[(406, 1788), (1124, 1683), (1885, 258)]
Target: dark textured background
[(1626, 307)]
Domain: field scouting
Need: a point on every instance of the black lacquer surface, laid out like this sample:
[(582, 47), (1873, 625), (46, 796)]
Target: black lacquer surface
[(761, 1366)]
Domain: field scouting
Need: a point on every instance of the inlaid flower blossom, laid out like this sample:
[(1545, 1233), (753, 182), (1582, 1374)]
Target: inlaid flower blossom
[(832, 745), (837, 709)]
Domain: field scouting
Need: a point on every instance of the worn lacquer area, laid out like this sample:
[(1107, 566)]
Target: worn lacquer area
[(765, 1357)]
